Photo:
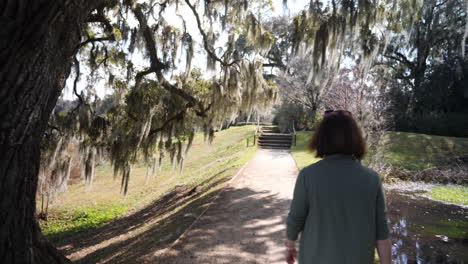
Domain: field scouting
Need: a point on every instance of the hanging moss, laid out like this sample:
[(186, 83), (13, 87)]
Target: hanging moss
[(325, 32), (150, 119), (258, 36)]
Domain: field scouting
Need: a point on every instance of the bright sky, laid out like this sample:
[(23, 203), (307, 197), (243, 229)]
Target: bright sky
[(294, 6)]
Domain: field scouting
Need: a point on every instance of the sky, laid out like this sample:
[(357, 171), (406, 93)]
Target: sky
[(293, 7)]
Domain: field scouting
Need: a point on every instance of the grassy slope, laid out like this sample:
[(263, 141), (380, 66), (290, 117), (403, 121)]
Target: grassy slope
[(409, 151), (82, 208), (419, 151), (406, 150)]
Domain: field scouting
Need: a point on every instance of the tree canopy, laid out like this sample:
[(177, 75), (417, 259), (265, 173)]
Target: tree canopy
[(160, 100)]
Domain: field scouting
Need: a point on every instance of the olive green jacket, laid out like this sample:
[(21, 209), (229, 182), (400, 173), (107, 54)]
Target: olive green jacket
[(339, 209)]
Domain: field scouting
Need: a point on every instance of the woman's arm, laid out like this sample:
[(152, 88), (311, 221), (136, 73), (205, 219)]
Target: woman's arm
[(384, 244), (384, 251), (298, 211), (296, 218)]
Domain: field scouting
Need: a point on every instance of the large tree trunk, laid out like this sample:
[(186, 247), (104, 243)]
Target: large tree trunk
[(38, 39)]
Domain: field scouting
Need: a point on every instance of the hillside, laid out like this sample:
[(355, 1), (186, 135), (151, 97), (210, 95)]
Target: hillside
[(83, 208), (400, 149)]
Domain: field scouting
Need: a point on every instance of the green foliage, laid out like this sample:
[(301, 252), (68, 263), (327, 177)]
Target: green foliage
[(428, 88), (198, 84), (453, 124), (139, 102), (287, 114), (453, 194)]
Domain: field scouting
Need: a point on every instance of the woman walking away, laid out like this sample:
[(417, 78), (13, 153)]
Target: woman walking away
[(338, 206)]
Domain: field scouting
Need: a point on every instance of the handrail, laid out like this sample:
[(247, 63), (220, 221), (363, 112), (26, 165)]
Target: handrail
[(294, 133), (257, 129)]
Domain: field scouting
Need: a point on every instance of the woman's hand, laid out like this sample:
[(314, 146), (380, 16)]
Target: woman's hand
[(291, 255), (291, 252)]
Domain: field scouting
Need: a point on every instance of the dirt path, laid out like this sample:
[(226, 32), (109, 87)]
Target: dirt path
[(243, 222), (246, 223)]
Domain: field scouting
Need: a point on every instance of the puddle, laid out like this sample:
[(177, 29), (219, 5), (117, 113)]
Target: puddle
[(425, 231)]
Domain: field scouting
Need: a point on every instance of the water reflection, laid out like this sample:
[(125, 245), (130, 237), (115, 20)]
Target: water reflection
[(424, 231)]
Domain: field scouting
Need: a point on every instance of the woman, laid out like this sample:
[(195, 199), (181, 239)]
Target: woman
[(338, 205)]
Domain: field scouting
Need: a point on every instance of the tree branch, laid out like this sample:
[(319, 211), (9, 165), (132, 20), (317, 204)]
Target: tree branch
[(157, 66), (92, 40), (272, 65), (101, 18), (179, 116), (206, 45), (401, 58)]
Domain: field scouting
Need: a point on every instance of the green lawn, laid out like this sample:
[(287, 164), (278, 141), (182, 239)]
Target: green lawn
[(82, 208), (301, 154), (419, 151), (453, 194), (405, 150)]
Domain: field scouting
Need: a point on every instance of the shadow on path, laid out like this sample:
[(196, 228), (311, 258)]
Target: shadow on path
[(155, 213), (244, 224), (143, 247), (241, 227)]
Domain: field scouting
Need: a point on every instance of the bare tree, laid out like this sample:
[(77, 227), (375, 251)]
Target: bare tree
[(362, 94)]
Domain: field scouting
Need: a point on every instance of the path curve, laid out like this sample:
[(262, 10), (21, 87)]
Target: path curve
[(246, 223)]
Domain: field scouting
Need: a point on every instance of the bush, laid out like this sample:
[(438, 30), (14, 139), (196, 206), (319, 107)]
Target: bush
[(287, 113)]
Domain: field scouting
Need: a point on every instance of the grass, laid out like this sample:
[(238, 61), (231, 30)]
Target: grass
[(403, 150), (419, 151), (452, 228), (82, 208), (301, 154), (80, 220), (453, 194)]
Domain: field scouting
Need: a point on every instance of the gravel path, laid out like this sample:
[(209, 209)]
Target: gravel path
[(246, 223)]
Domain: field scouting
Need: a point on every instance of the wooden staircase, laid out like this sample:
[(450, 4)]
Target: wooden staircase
[(271, 138)]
